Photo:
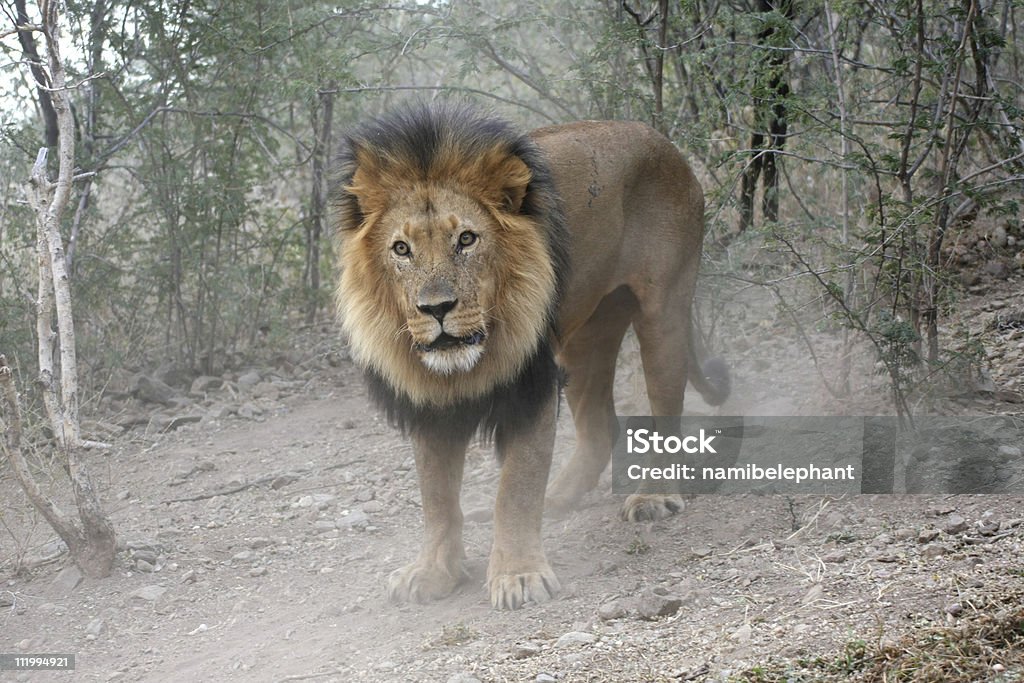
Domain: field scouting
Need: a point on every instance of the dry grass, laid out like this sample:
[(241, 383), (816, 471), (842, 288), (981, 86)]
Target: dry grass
[(986, 644)]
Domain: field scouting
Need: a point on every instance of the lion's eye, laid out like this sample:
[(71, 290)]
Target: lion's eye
[(401, 248), (467, 239)]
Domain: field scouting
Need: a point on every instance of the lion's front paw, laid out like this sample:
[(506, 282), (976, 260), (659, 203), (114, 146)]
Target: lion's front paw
[(512, 591), (421, 582), (641, 507)]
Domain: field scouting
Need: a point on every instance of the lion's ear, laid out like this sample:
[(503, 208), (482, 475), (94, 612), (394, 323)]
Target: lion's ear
[(368, 185), (509, 178)]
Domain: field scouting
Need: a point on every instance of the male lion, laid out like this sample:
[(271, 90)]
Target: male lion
[(459, 303)]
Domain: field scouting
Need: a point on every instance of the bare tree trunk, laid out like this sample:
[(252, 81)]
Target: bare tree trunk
[(322, 120), (844, 150), (93, 544), (770, 128)]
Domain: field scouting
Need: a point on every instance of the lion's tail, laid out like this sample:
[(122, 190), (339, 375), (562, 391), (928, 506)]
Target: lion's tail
[(710, 377)]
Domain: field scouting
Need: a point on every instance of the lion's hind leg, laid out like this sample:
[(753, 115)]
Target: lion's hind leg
[(663, 333), (589, 358), (439, 567)]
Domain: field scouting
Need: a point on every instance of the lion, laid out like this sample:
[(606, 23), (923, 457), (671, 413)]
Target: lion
[(477, 264)]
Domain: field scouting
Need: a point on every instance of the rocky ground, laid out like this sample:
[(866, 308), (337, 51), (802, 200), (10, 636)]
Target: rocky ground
[(260, 511)]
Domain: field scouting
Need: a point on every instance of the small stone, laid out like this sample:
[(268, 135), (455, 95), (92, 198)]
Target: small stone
[(373, 507), (283, 480), (189, 576), (702, 551), (905, 534), (258, 542), (525, 650), (249, 410), (613, 609), (834, 557), (955, 524), (927, 535), (243, 556), (323, 525), (355, 519), (548, 678), (152, 390), (934, 550), (954, 609), (573, 638), (652, 606), (742, 634), (249, 379), (987, 527), (461, 678), (205, 383), (68, 579), (145, 554), (1010, 452), (479, 515), (148, 593), (258, 571), (96, 627), (144, 566)]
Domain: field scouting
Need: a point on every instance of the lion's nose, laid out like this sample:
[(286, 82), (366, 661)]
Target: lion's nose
[(438, 309)]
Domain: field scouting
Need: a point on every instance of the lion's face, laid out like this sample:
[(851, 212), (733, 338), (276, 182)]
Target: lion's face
[(442, 251), (445, 291)]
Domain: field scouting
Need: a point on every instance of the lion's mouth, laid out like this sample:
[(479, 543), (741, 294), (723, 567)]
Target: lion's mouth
[(446, 341)]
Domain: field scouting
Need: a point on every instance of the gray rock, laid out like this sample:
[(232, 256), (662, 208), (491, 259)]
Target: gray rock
[(653, 605), (927, 535), (462, 678), (1010, 451), (525, 650), (613, 609), (479, 515), (574, 638), (205, 383), (249, 410), (150, 593), (955, 524), (249, 379), (258, 571), (372, 507), (144, 566), (96, 627), (834, 557), (355, 519), (283, 480), (545, 678), (934, 550), (67, 579), (152, 390)]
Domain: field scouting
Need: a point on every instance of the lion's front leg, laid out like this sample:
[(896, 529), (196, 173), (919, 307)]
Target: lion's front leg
[(439, 567), (518, 571)]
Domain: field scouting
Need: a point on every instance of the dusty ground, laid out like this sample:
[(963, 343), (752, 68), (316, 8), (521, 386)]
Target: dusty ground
[(256, 546)]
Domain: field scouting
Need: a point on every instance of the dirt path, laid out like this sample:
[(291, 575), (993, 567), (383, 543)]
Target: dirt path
[(281, 578)]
